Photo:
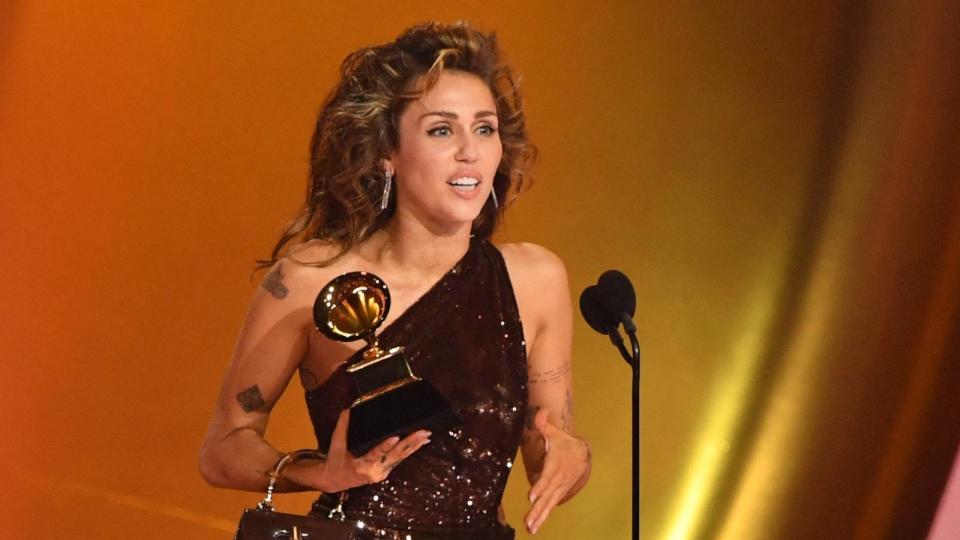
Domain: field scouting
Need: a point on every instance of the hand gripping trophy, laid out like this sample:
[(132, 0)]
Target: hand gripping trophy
[(391, 400)]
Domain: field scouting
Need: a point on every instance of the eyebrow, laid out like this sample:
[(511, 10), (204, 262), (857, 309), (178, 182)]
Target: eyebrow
[(453, 116)]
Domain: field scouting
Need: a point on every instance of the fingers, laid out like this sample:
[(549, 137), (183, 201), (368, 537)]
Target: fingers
[(547, 483), (342, 470), (561, 470), (394, 448), (377, 464), (378, 452), (542, 496), (387, 445), (545, 495), (410, 444), (541, 509)]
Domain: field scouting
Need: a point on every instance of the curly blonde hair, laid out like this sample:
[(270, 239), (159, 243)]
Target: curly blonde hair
[(357, 128)]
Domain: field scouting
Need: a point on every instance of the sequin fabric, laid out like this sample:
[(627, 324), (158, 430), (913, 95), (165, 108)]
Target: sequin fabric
[(464, 336)]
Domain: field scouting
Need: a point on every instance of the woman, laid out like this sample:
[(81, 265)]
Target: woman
[(414, 154)]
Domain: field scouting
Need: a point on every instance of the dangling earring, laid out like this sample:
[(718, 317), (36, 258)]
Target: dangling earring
[(385, 198), (493, 195)]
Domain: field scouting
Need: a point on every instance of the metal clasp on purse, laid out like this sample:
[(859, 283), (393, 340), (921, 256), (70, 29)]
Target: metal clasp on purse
[(265, 523), (266, 504)]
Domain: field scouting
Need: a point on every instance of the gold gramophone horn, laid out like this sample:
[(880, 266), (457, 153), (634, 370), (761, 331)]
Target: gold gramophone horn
[(352, 306)]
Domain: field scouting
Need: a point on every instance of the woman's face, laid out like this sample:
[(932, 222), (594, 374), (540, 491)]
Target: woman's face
[(448, 152)]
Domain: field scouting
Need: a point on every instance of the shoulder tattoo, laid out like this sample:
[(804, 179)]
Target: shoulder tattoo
[(273, 283)]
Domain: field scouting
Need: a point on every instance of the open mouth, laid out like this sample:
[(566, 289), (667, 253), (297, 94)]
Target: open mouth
[(464, 183)]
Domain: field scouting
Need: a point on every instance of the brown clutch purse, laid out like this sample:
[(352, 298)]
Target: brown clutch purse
[(264, 523)]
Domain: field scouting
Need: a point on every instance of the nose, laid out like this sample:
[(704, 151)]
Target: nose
[(467, 149)]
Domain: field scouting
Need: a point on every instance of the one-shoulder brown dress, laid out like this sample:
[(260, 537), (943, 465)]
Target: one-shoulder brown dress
[(464, 336)]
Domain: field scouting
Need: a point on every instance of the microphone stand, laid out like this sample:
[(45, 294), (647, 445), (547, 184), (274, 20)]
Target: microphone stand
[(634, 362)]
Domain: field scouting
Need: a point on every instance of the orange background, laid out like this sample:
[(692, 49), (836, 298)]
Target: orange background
[(780, 181)]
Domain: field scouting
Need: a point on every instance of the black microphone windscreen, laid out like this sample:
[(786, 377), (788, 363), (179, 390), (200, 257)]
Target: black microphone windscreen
[(616, 293), (595, 312)]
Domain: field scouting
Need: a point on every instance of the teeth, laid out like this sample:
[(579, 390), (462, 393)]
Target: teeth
[(465, 181)]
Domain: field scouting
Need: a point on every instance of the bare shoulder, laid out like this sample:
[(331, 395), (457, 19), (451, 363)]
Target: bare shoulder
[(540, 286), (298, 275), (530, 264), (539, 281), (313, 252)]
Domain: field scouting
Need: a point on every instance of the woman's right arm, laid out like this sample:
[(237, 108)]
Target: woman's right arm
[(271, 345)]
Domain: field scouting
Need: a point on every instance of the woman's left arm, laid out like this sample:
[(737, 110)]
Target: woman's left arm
[(556, 460)]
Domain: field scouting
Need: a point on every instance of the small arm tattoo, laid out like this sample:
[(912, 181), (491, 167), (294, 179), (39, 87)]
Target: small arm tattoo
[(566, 415), (554, 375), (252, 400), (273, 283)]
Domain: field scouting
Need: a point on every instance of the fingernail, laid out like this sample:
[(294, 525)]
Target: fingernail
[(533, 497)]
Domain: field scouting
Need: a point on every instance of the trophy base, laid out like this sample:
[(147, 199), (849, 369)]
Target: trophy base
[(399, 412)]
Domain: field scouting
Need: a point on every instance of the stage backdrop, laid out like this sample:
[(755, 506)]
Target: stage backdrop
[(780, 181)]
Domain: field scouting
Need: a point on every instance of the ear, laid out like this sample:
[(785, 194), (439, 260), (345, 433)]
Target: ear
[(387, 165)]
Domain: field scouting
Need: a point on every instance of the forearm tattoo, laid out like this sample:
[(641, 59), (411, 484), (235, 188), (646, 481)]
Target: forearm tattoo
[(273, 283), (566, 415), (251, 400), (554, 375)]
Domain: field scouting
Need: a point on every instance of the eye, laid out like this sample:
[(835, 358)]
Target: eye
[(486, 130), (439, 131)]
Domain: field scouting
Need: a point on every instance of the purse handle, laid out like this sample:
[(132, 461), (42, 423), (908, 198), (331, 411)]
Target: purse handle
[(287, 459)]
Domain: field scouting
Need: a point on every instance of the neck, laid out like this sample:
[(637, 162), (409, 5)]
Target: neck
[(408, 243)]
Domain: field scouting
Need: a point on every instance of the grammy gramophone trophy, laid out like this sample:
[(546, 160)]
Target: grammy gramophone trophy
[(392, 399)]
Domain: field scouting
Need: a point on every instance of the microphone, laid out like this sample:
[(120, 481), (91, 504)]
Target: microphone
[(609, 303), (618, 295), (605, 306), (594, 308)]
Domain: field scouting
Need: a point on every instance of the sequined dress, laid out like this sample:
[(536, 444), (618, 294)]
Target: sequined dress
[(464, 336)]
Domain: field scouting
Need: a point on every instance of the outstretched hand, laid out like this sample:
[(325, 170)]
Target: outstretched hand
[(566, 459), (344, 471)]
